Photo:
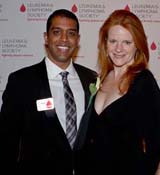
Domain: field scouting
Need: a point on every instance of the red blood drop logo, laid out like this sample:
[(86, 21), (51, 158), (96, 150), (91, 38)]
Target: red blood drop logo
[(153, 46), (22, 8), (74, 8), (49, 104), (127, 8)]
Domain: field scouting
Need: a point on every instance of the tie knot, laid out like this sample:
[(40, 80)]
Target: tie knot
[(64, 74)]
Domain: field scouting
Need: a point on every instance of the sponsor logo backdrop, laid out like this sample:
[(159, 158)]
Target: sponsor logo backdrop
[(23, 23)]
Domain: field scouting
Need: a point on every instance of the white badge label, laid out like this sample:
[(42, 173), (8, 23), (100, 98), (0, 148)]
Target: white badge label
[(45, 104)]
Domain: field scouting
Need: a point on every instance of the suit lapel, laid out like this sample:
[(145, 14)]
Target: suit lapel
[(44, 88), (85, 80), (81, 135)]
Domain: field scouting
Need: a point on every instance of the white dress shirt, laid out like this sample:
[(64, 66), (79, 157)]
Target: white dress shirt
[(56, 86)]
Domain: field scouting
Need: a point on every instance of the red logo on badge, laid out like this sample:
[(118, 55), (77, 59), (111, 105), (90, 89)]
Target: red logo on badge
[(49, 104)]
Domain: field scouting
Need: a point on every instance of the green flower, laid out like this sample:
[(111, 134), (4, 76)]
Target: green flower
[(93, 88)]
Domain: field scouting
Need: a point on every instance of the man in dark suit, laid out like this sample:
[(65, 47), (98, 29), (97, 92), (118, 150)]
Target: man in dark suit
[(32, 122)]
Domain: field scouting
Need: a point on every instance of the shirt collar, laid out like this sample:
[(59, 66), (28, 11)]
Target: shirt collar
[(53, 70)]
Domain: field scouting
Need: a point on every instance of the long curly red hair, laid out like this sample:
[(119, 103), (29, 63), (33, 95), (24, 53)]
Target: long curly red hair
[(132, 23)]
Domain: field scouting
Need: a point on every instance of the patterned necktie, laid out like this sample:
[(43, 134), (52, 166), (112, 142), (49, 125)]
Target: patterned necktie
[(70, 108)]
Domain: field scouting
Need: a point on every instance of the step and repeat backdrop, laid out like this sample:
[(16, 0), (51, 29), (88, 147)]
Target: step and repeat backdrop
[(22, 23)]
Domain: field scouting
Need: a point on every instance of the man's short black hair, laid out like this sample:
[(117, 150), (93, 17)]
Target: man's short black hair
[(62, 13)]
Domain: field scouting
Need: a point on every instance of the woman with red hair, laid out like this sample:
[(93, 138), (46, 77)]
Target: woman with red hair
[(123, 135)]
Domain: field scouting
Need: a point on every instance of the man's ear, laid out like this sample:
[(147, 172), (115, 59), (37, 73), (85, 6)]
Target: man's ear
[(45, 38)]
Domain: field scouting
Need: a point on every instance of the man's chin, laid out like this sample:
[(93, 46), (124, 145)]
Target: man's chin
[(64, 58)]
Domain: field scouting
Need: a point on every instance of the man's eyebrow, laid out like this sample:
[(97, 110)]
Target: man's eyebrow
[(72, 29), (52, 28)]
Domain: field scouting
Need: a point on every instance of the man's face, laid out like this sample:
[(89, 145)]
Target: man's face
[(61, 40)]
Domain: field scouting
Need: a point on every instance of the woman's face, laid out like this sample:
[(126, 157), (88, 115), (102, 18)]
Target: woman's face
[(120, 46)]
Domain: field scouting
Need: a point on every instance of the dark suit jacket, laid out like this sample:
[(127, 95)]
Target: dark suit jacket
[(34, 140)]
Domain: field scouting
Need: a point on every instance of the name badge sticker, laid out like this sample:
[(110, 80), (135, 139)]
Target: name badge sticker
[(45, 104)]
